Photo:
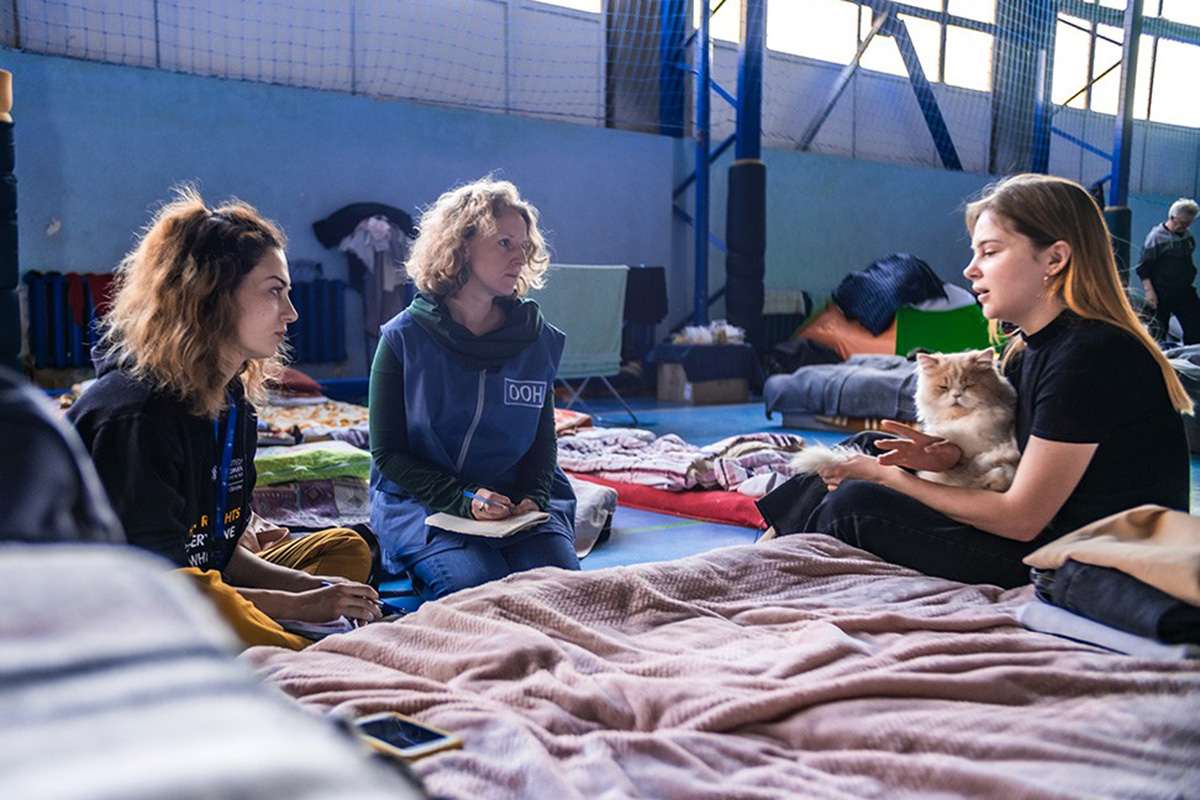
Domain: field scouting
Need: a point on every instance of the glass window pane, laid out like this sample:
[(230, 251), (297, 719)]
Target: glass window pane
[(1187, 11), (884, 56), (932, 5), (726, 24), (581, 5), (968, 58), (1105, 90), (1175, 73), (1070, 64), (982, 10), (1141, 89), (821, 29)]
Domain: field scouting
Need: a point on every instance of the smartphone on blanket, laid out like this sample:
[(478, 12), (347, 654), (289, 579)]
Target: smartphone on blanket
[(403, 737)]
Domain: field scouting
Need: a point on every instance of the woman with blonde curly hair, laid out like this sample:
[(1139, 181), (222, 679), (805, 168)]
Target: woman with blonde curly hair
[(195, 330), (462, 400)]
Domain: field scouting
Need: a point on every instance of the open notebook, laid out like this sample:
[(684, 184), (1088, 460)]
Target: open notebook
[(496, 529)]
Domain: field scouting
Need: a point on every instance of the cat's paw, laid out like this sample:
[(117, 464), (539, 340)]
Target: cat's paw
[(997, 479)]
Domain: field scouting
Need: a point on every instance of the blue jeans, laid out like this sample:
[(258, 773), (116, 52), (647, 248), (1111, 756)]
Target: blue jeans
[(896, 527), (479, 561), (1120, 601)]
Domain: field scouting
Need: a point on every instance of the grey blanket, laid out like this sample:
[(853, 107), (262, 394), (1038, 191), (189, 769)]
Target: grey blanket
[(869, 386)]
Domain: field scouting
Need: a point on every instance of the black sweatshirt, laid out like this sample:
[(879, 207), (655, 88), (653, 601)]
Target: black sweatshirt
[(158, 463)]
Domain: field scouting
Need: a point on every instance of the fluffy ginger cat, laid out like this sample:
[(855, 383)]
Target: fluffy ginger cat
[(963, 398)]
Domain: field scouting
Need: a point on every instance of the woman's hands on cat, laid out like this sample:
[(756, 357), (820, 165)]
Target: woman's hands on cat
[(860, 467), (915, 450)]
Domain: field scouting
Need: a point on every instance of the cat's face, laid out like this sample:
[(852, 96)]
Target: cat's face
[(952, 384)]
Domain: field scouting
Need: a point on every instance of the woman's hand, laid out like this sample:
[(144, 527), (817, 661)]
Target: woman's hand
[(860, 467), (343, 598), (525, 506), (500, 507), (915, 450)]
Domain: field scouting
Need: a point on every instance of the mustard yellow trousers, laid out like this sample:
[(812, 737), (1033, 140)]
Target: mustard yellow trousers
[(337, 551)]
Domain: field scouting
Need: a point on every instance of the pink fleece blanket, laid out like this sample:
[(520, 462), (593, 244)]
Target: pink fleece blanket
[(797, 668)]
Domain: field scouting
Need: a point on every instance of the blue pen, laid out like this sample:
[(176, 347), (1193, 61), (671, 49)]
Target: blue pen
[(474, 496)]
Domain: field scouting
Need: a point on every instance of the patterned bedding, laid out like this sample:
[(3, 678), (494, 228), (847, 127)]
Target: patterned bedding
[(325, 419), (321, 418)]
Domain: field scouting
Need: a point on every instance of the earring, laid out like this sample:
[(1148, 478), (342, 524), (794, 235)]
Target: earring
[(1046, 278)]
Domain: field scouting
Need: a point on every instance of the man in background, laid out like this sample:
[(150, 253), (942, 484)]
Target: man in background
[(1167, 272)]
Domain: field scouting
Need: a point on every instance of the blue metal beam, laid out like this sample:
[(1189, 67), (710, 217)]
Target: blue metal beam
[(670, 79), (1123, 137), (750, 70), (1042, 26), (703, 120), (1075, 140), (896, 28)]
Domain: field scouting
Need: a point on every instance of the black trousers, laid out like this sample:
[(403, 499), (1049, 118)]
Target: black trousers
[(896, 527), (1185, 305)]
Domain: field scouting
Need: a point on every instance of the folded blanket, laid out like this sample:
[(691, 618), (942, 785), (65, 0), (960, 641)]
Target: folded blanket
[(1113, 598), (310, 462), (1156, 545), (314, 504), (866, 386), (1047, 618)]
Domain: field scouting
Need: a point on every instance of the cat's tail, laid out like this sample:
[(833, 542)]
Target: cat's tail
[(815, 458)]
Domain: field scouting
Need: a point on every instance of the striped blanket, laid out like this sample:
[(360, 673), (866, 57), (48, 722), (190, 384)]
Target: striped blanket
[(632, 455)]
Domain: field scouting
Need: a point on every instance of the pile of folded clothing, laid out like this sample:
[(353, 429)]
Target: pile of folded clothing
[(1137, 573)]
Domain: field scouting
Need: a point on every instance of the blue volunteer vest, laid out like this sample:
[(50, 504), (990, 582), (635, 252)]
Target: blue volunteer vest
[(476, 424)]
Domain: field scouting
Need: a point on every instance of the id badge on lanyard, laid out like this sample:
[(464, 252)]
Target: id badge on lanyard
[(222, 487)]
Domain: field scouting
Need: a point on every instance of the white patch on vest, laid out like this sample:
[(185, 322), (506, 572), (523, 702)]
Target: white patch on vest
[(531, 394)]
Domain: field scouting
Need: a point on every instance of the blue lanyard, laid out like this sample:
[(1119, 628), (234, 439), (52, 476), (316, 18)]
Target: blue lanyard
[(222, 487)]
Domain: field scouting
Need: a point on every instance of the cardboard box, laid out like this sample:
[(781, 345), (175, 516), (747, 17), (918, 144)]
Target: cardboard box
[(674, 387)]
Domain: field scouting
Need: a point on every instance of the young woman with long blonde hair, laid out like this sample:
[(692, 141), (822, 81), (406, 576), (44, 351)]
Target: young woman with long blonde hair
[(1098, 408)]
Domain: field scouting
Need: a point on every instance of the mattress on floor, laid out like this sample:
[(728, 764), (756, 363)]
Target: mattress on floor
[(802, 667), (709, 505), (864, 386)]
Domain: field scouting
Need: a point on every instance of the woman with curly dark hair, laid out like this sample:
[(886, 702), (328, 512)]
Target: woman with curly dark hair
[(195, 331)]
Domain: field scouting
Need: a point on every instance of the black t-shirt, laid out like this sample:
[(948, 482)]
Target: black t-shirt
[(1089, 382), (159, 464)]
